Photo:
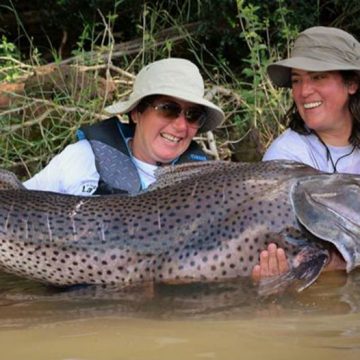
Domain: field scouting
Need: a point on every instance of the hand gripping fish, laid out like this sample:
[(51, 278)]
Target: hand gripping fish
[(198, 223)]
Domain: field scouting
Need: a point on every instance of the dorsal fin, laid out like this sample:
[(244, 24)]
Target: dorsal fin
[(173, 174), (9, 181)]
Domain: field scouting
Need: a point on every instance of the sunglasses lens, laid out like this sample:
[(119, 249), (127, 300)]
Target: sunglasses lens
[(195, 116), (169, 110)]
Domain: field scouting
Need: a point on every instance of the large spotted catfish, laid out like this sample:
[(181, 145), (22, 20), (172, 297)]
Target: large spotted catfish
[(199, 223)]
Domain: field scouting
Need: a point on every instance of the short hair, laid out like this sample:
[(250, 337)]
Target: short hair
[(143, 105)]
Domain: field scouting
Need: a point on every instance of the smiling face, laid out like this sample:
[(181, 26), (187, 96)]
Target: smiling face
[(322, 99), (160, 139)]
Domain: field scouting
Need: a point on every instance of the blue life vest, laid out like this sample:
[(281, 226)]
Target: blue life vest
[(118, 174)]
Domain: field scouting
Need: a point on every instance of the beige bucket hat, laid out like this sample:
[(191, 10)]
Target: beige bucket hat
[(175, 77), (318, 48)]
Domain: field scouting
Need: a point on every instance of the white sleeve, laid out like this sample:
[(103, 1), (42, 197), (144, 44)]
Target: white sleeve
[(72, 171)]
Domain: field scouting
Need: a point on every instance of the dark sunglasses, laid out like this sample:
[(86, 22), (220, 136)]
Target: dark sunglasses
[(195, 115)]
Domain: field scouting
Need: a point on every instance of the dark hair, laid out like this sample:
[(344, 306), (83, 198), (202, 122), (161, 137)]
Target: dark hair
[(143, 105), (145, 102), (296, 123)]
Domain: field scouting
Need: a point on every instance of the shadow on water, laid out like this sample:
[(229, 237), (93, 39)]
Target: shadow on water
[(24, 303)]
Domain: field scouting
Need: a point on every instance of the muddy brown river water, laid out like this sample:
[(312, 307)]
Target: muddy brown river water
[(223, 321)]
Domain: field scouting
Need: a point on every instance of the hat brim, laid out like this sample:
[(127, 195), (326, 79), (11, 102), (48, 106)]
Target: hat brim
[(215, 115), (280, 72)]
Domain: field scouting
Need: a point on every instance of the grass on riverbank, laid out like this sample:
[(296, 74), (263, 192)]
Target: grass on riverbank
[(42, 105)]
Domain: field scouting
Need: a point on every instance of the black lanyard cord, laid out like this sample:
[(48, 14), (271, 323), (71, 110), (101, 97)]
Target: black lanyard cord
[(329, 157)]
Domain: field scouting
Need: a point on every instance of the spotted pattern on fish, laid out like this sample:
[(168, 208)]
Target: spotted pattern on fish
[(198, 223)]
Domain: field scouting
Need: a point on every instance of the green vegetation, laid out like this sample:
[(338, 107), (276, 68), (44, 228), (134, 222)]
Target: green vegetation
[(49, 87)]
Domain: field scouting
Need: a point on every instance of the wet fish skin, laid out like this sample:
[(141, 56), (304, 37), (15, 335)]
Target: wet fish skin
[(198, 223), (340, 226)]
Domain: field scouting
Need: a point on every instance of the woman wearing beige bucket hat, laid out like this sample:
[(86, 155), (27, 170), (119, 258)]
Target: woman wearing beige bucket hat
[(166, 109), (323, 73)]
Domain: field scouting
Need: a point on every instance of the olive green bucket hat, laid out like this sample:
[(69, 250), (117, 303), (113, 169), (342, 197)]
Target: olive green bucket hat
[(318, 48), (175, 77)]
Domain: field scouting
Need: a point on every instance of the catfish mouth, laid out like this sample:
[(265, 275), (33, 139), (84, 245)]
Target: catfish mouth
[(328, 207)]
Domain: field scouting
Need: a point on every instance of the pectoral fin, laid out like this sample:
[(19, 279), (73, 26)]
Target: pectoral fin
[(305, 269)]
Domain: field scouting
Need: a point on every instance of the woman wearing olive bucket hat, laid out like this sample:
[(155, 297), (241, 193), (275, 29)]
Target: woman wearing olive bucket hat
[(323, 73), (166, 110)]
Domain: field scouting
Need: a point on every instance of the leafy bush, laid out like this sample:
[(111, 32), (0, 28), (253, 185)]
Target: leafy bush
[(232, 41)]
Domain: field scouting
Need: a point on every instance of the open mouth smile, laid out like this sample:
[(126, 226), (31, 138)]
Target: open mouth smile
[(312, 105), (171, 138)]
